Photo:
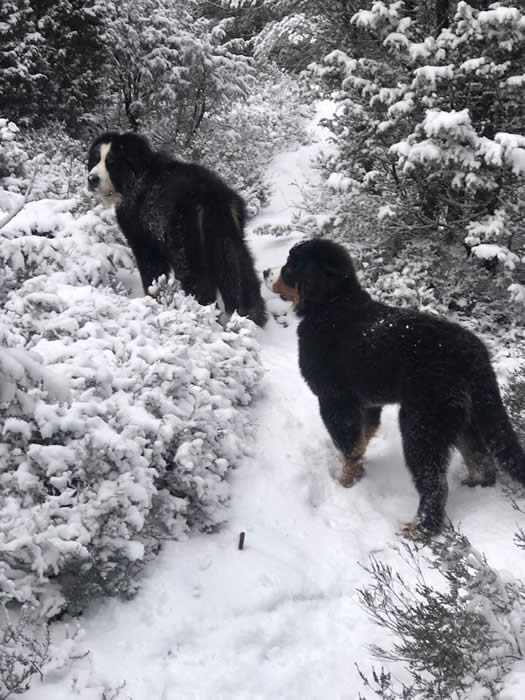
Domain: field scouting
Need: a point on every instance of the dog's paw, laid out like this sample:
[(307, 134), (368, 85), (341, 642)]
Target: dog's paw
[(479, 480), (349, 479), (414, 532)]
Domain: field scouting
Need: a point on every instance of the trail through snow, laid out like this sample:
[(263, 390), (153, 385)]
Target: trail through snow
[(279, 619)]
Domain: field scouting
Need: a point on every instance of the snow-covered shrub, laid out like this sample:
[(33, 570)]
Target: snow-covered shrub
[(26, 649), (432, 127), (45, 238), (292, 41), (120, 418), (239, 140), (60, 163), (169, 68), (425, 275), (22, 652), (142, 449), (514, 397), (12, 153), (457, 640)]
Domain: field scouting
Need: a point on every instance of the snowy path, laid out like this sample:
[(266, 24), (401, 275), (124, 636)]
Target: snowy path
[(279, 619)]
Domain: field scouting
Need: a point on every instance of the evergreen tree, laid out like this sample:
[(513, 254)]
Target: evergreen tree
[(75, 56), (432, 126), (295, 32), (20, 60), (169, 67)]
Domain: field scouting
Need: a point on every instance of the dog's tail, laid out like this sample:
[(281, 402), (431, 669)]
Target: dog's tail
[(232, 263), (494, 423), (237, 280)]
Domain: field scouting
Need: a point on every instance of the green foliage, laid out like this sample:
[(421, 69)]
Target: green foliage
[(453, 639), (24, 649), (432, 127)]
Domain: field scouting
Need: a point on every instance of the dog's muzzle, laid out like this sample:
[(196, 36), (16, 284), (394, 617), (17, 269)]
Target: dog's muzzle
[(271, 275), (93, 182)]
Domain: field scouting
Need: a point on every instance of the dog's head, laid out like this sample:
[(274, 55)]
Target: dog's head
[(114, 161), (316, 272)]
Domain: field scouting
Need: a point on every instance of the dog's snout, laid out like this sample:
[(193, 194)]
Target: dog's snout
[(93, 181), (271, 275)]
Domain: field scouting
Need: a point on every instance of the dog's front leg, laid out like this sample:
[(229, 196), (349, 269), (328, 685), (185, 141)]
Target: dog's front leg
[(343, 419)]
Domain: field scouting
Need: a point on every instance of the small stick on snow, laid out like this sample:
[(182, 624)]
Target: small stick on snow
[(241, 540)]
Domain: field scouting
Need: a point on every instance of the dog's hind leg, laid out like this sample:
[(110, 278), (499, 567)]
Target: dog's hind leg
[(151, 264), (477, 457), (495, 425), (343, 419), (428, 438), (372, 419)]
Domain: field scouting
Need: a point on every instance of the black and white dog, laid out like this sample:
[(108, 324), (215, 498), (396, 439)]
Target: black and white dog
[(357, 355), (178, 217)]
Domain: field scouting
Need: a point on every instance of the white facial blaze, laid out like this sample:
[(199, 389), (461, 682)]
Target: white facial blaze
[(273, 276), (105, 189)]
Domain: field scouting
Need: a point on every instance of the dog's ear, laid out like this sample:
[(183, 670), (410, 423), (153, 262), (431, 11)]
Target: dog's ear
[(321, 281), (338, 266), (135, 150), (313, 286)]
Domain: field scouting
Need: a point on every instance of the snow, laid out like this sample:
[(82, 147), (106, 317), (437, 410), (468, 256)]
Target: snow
[(432, 74), (280, 618), (436, 121)]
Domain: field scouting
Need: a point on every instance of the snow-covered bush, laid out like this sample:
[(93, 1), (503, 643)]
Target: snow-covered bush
[(141, 450), (12, 153), (431, 126), (26, 649), (456, 640), (46, 238), (169, 68), (60, 163), (120, 418), (240, 140), (514, 397), (292, 41)]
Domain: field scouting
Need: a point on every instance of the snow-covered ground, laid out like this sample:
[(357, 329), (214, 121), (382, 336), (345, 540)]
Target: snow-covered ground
[(279, 619)]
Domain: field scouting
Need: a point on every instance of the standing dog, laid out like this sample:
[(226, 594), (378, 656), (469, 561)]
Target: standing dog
[(357, 355), (177, 217)]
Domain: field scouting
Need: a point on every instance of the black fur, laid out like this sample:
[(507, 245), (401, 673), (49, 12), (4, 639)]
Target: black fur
[(357, 354), (182, 217)]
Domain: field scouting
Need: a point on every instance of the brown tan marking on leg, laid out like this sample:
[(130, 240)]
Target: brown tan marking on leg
[(370, 431), (411, 531), (353, 468)]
